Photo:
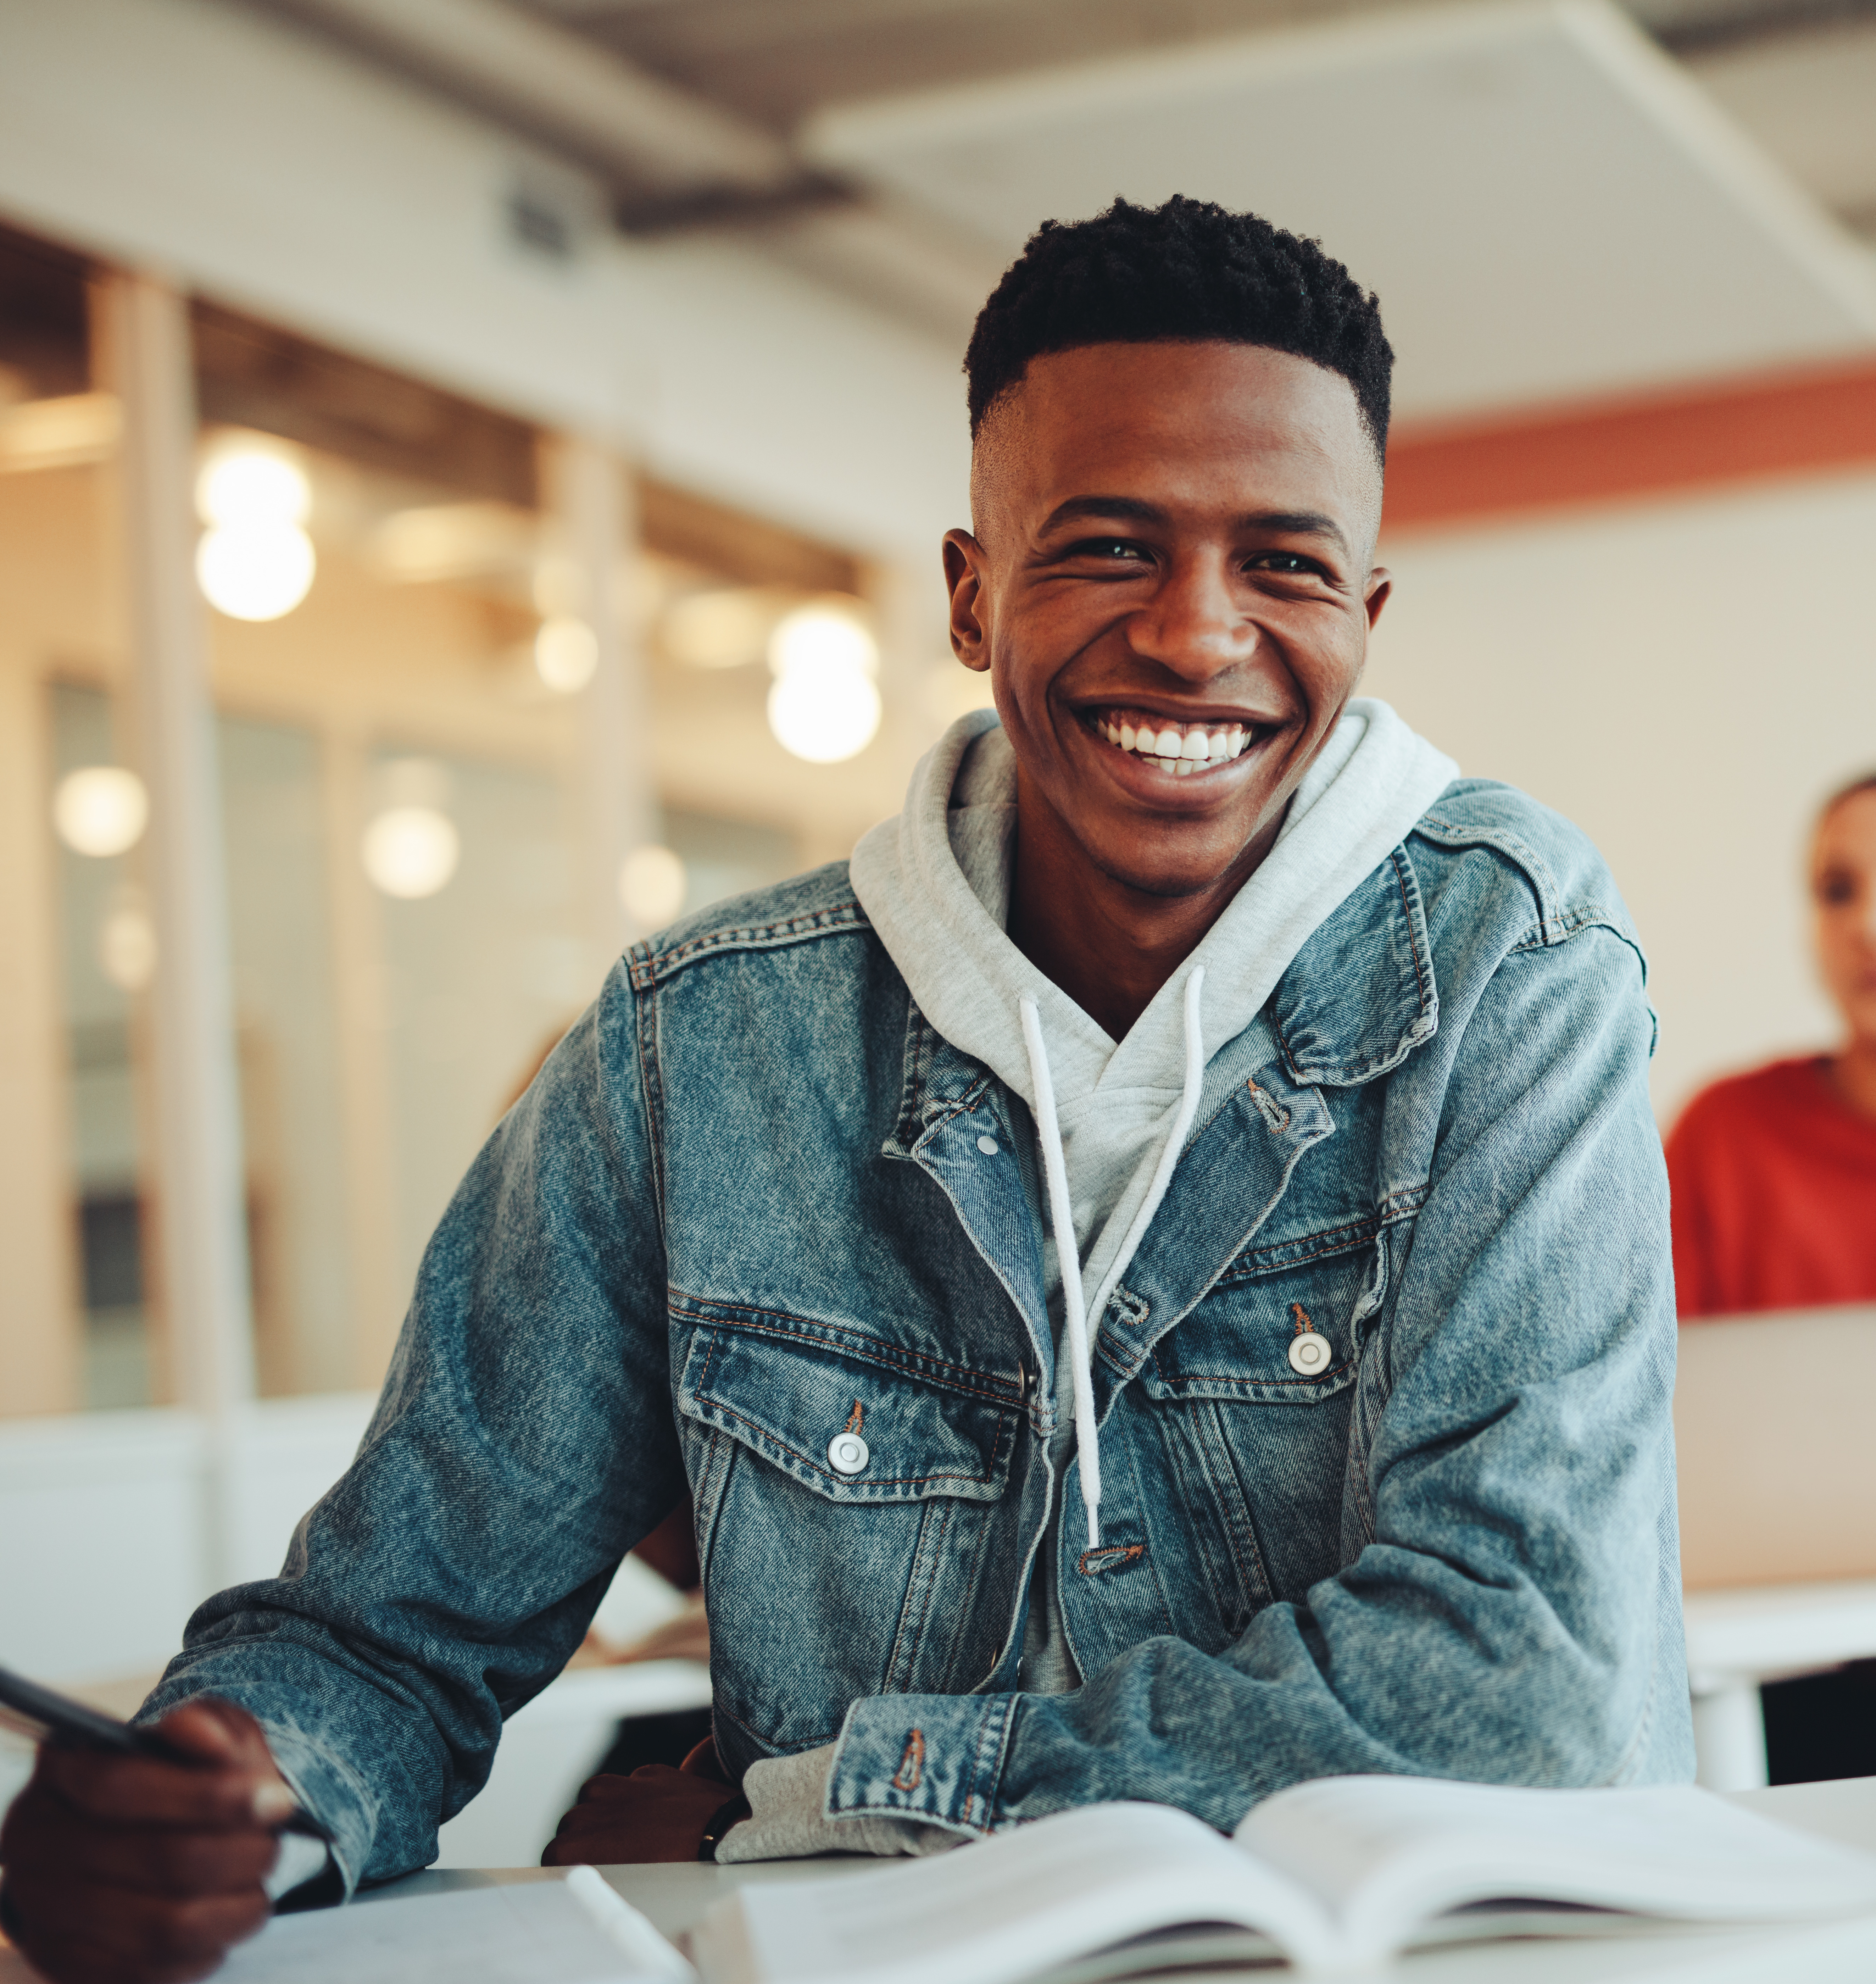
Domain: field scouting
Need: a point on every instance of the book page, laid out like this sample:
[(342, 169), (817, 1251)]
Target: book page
[(1028, 1901), (1385, 1853), (522, 1932)]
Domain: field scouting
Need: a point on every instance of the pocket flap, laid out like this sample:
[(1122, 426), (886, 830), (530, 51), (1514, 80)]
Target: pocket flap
[(1237, 1343), (790, 1396)]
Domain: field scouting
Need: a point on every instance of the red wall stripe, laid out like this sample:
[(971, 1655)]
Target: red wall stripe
[(1781, 425)]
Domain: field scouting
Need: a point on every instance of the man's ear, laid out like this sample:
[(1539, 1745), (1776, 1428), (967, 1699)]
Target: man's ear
[(964, 577), (1380, 590)]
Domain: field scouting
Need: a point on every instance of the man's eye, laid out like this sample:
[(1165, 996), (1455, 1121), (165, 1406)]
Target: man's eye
[(1116, 549), (1290, 564), (1835, 888)]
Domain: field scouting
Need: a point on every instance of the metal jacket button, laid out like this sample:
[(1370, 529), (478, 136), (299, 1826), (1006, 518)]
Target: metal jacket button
[(847, 1453), (1309, 1354), (987, 1145)]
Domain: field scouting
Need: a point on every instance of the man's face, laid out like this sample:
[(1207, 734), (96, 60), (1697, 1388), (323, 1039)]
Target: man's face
[(1172, 546)]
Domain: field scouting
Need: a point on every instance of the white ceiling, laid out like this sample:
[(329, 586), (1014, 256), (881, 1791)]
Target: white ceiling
[(1546, 204)]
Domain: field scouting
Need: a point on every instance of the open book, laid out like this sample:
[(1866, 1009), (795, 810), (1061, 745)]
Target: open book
[(1337, 1875)]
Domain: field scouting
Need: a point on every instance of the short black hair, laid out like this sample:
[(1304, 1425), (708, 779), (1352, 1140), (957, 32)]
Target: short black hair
[(1188, 271)]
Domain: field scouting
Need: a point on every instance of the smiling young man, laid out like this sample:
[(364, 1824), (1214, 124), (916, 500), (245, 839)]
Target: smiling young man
[(1154, 1278)]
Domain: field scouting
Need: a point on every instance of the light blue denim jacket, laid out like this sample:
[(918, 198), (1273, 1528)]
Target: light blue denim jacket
[(745, 1207)]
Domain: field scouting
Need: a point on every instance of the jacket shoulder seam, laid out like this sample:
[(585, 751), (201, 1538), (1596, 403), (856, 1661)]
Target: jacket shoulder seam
[(650, 966)]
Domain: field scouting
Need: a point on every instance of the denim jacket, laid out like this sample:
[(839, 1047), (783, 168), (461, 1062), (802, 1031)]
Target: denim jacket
[(754, 1204)]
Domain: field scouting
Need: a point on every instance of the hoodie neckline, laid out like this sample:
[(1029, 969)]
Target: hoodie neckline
[(969, 977)]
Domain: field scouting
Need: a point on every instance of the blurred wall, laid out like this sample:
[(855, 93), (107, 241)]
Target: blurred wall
[(1686, 680)]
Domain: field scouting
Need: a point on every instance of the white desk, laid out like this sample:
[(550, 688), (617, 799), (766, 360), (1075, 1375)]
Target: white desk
[(1738, 1640), (676, 1896)]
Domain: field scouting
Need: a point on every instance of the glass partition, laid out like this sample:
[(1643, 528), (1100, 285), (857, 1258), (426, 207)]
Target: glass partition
[(396, 650), (75, 1328), (400, 769)]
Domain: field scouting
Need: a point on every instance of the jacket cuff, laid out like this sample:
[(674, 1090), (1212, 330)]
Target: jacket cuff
[(327, 1788), (938, 1758)]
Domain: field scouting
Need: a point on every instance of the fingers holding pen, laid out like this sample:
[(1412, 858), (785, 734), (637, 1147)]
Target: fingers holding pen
[(127, 1869)]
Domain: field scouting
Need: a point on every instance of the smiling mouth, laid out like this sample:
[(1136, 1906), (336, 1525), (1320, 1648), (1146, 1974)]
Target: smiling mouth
[(1180, 750)]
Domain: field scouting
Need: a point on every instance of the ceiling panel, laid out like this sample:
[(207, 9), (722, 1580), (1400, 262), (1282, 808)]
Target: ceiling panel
[(1547, 207)]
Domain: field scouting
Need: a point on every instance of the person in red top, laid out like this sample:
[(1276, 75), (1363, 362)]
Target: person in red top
[(1773, 1177), (1774, 1172)]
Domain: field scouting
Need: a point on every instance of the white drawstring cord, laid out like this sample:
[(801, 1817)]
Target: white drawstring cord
[(1068, 1259), (1062, 1221), (1174, 1143)]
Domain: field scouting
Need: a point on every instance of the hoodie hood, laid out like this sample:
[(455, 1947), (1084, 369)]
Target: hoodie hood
[(935, 883)]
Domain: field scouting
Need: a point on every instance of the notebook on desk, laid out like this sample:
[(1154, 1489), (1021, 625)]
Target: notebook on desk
[(1775, 1431)]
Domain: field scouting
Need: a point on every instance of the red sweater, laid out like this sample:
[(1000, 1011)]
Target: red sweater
[(1774, 1186)]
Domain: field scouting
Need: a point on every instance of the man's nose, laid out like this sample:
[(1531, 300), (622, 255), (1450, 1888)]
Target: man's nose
[(1194, 624)]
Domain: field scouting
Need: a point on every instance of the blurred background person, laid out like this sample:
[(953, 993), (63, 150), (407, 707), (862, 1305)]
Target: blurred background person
[(1773, 1171), (1774, 1177)]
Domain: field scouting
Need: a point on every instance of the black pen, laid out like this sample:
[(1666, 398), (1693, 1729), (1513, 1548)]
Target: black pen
[(47, 1717)]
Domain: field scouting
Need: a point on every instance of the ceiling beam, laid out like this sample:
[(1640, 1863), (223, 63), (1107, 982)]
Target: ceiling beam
[(656, 145)]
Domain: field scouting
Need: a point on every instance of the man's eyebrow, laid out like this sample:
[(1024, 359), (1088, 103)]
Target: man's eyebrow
[(1135, 510), (1082, 509), (1295, 524)]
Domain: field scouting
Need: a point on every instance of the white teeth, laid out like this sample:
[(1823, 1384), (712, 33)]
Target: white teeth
[(1178, 751)]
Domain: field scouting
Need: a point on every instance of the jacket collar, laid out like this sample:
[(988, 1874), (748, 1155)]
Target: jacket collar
[(1358, 999), (1360, 995)]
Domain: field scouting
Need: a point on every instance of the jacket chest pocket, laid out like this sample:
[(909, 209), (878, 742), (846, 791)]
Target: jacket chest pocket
[(1259, 1429), (1250, 1340), (844, 1493)]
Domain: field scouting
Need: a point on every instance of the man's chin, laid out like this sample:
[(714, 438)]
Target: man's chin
[(1176, 881)]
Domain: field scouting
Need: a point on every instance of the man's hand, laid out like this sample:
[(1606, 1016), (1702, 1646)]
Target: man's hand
[(655, 1814), (132, 1870)]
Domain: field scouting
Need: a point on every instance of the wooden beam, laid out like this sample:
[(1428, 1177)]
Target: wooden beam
[(1776, 425)]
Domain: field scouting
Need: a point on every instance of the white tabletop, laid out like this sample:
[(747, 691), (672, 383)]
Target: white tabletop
[(1760, 1632), (676, 1896)]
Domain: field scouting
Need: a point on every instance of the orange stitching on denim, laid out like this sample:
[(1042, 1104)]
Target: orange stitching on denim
[(911, 1770), (1276, 1117), (854, 1418), (1110, 1556), (1303, 1324)]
